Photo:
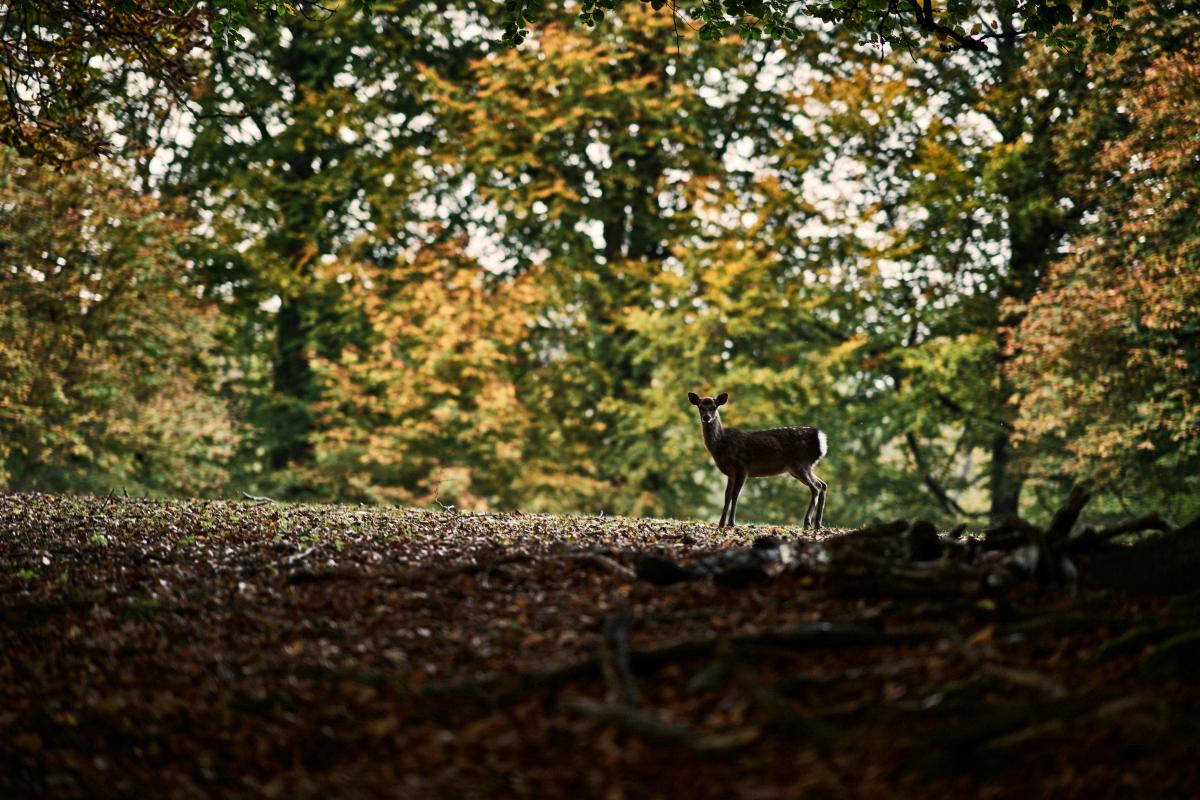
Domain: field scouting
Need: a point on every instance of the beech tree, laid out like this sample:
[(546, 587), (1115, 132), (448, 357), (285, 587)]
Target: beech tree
[(106, 343), (304, 142), (579, 168), (1107, 353)]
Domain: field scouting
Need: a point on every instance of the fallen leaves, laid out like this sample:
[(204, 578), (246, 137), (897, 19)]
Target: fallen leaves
[(261, 650)]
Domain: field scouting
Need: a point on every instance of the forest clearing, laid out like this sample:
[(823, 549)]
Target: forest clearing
[(370, 372), (256, 649)]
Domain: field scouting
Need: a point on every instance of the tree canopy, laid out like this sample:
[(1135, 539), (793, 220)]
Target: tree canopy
[(62, 61)]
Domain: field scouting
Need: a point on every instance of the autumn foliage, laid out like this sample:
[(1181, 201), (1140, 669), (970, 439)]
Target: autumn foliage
[(391, 263), (105, 340), (1108, 355)]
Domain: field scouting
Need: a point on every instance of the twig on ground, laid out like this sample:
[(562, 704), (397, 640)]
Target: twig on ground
[(603, 562), (437, 495), (292, 559), (1025, 678)]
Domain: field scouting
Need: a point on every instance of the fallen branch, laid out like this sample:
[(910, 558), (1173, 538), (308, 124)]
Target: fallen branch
[(303, 554), (992, 723), (797, 683), (1158, 565), (1065, 518), (1060, 623), (414, 574), (1134, 642), (322, 574), (1090, 537), (773, 707), (1068, 718), (501, 687), (655, 729), (406, 576), (863, 573), (418, 574), (603, 562), (885, 530)]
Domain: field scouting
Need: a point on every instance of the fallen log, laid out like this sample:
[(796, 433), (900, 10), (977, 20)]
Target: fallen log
[(1160, 565), (864, 573), (1089, 537)]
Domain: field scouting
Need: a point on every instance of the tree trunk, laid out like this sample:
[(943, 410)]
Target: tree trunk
[(293, 384), (1030, 185), (1005, 482)]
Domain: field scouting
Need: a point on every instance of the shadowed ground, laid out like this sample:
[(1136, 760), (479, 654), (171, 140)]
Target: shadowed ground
[(188, 649)]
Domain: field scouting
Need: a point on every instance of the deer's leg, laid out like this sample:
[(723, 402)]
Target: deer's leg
[(805, 476), (738, 480), (728, 494), (824, 489)]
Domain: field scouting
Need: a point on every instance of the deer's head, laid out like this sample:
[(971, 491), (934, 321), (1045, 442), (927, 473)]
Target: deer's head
[(707, 405)]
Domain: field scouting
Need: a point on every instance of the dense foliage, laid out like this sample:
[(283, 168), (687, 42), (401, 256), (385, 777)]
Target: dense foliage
[(105, 340), (1108, 355), (381, 260), (62, 61)]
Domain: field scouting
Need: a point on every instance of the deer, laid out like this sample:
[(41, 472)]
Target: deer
[(759, 454)]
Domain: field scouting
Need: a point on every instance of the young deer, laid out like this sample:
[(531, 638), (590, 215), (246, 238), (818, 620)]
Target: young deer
[(757, 454)]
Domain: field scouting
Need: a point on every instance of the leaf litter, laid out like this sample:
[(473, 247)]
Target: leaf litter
[(255, 649)]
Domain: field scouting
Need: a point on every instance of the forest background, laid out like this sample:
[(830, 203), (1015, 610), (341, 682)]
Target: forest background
[(376, 256)]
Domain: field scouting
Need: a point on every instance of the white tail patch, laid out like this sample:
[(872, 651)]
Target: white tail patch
[(822, 444)]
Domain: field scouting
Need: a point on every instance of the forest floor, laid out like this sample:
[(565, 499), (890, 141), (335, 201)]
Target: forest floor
[(242, 649)]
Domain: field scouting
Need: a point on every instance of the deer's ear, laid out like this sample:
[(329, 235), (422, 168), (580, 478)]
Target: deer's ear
[(694, 398), (722, 397)]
